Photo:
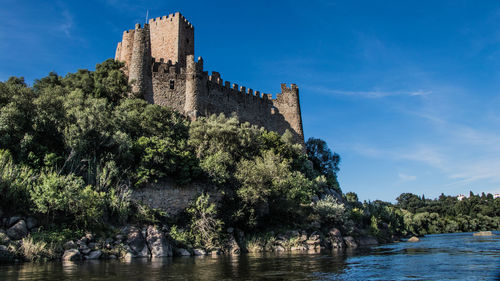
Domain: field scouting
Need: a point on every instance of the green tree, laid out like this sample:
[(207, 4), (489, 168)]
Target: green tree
[(206, 228), (57, 196), (324, 160), (409, 201)]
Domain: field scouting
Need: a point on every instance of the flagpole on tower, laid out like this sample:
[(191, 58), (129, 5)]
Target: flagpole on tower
[(147, 14)]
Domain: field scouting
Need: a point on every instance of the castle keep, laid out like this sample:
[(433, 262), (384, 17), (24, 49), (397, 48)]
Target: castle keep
[(159, 61)]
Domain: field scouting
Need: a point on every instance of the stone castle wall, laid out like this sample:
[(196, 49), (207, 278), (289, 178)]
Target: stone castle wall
[(173, 48), (159, 60), (171, 198), (249, 105), (164, 75)]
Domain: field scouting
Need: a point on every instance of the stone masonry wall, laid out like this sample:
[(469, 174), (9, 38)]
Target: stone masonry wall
[(163, 76), (172, 199), (159, 60), (124, 48), (251, 106), (172, 38)]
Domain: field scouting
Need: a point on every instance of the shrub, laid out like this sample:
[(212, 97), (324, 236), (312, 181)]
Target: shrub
[(67, 194), (161, 157), (270, 187), (15, 182), (330, 210), (218, 167), (181, 237), (206, 228), (118, 201)]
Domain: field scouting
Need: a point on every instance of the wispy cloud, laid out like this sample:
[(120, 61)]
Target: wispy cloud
[(406, 178), (426, 154), (67, 22), (368, 94), (466, 156)]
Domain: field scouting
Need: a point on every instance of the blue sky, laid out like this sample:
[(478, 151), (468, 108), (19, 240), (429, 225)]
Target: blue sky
[(407, 92)]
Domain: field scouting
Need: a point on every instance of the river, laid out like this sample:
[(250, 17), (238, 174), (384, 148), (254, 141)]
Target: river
[(459, 256)]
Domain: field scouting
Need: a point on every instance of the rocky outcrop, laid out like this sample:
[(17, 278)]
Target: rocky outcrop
[(13, 220), (136, 242), (72, 255), (313, 242), (6, 255), (414, 239), (484, 233), (154, 242), (31, 223), (18, 230), (94, 255), (334, 239), (367, 241), (70, 245), (232, 246), (182, 252), (158, 243), (199, 252), (350, 242)]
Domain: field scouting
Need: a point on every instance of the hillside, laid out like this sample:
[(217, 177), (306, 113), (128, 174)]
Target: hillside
[(74, 149)]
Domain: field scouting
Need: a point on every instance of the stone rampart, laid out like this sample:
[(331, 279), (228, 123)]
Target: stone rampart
[(159, 60)]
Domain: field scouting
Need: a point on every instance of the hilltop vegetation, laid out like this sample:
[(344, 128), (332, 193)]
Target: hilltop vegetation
[(73, 148)]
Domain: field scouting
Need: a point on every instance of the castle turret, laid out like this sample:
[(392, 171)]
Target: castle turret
[(193, 86), (139, 68), (290, 108)]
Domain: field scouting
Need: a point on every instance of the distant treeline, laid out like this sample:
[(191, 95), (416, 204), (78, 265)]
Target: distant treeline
[(448, 214), (413, 214)]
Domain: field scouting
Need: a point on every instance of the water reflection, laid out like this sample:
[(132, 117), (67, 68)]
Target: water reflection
[(452, 256)]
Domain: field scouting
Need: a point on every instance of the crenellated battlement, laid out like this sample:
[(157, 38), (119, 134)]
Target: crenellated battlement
[(170, 18), (166, 67), (235, 89), (160, 62)]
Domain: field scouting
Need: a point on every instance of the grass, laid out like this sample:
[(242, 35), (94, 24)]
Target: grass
[(37, 250)]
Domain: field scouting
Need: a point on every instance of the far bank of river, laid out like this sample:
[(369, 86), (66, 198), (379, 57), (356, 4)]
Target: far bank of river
[(459, 256)]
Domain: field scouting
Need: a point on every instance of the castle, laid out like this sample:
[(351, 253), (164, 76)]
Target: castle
[(159, 61)]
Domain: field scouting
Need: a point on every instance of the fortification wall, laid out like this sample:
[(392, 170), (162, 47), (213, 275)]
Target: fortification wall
[(169, 85), (249, 105), (171, 198), (160, 64)]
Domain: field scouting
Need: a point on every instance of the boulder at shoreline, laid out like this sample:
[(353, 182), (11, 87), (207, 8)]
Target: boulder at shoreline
[(483, 233), (414, 239)]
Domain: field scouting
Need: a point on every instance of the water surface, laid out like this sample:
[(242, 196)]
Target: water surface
[(436, 257)]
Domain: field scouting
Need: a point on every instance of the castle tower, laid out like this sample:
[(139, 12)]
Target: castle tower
[(194, 86), (289, 106), (124, 49), (160, 63), (172, 38), (140, 77)]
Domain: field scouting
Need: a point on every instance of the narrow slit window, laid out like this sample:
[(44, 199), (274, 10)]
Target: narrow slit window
[(172, 84)]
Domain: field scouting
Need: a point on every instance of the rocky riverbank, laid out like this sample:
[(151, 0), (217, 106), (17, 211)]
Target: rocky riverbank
[(155, 241)]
